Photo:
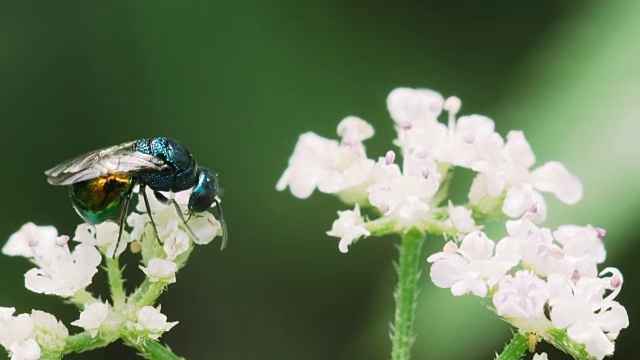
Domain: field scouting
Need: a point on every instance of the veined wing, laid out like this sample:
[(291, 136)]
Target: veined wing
[(117, 159)]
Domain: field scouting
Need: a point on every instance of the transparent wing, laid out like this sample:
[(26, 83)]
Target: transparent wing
[(117, 159)]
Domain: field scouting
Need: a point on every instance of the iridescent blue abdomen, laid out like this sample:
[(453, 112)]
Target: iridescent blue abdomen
[(181, 174)]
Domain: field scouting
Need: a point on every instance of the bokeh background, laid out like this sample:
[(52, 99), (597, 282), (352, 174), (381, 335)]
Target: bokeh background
[(238, 81)]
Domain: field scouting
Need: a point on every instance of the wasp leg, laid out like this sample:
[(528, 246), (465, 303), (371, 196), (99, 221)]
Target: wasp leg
[(146, 204), (168, 201), (163, 199), (223, 224), (175, 204), (123, 216)]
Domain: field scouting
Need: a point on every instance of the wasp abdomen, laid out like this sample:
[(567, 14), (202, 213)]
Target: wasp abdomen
[(102, 198)]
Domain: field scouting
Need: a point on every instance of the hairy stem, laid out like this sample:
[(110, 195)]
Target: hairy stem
[(115, 282), (515, 349), (406, 294), (148, 293), (561, 340), (153, 350), (82, 297), (84, 342)]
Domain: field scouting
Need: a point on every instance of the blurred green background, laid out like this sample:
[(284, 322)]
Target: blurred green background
[(238, 81)]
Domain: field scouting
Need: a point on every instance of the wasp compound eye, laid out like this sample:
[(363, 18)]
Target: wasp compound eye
[(204, 192)]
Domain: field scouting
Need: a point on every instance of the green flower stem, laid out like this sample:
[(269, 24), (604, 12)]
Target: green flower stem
[(153, 350), (515, 349), (85, 342), (445, 183), (82, 297), (115, 282), (148, 293), (561, 340), (406, 294), (140, 291), (381, 226)]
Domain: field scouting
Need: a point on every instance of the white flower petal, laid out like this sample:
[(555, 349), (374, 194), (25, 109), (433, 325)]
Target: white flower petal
[(92, 317), (596, 342), (472, 268), (152, 321), (349, 227), (518, 151), (160, 270), (521, 296), (25, 350), (410, 106), (553, 177), (176, 242), (353, 130), (50, 333), (22, 242), (17, 329), (542, 356), (206, 227)]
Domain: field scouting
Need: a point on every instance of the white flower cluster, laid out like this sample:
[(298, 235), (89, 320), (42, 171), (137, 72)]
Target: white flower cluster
[(59, 271), (67, 273), (29, 336), (409, 196), (538, 279)]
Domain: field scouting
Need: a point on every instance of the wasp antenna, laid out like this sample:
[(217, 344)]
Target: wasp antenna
[(223, 224)]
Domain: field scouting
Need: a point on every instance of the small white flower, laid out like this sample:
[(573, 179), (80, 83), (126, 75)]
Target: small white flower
[(348, 227), (63, 273), (103, 236), (138, 223), (460, 219), (161, 270), (25, 336), (16, 330), (60, 271), (92, 317), (414, 107), (472, 268), (416, 112), (405, 195), (469, 142), (25, 350), (521, 296), (354, 130), (206, 227), (534, 246), (175, 239), (152, 321), (473, 142), (50, 333), (583, 247), (589, 318), (312, 158), (30, 235), (542, 356), (332, 168), (510, 173)]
